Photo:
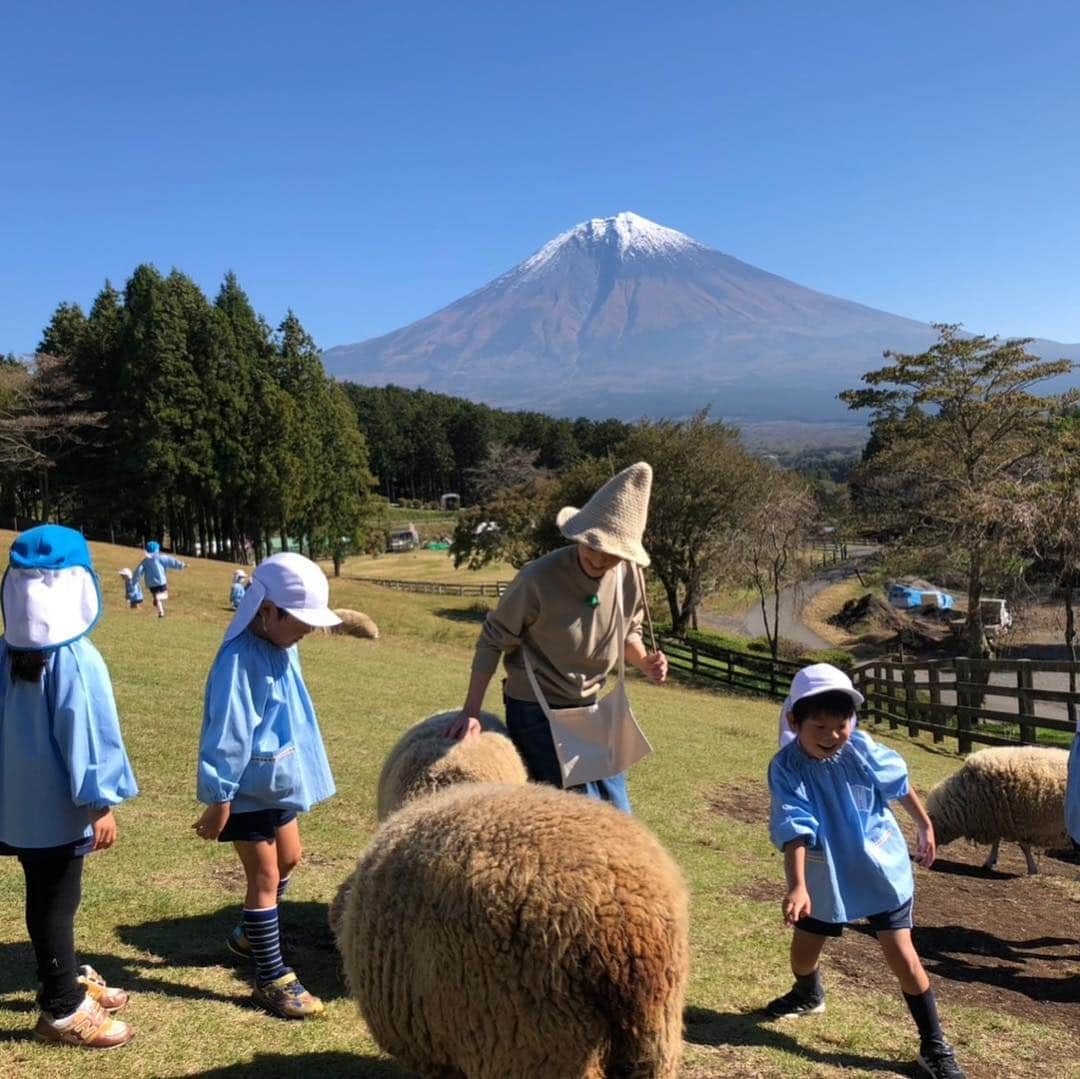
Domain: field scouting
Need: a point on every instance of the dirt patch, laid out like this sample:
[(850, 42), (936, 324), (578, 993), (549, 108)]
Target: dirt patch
[(760, 890), (746, 801), (997, 939)]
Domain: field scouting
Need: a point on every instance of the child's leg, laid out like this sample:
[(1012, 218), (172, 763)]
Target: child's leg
[(904, 962), (806, 951), (260, 916), (53, 893), (287, 841)]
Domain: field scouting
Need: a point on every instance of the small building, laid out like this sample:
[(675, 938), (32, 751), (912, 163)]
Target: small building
[(450, 502)]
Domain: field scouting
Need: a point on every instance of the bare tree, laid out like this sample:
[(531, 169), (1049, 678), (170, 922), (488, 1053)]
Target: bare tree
[(42, 418), (504, 466), (770, 543)]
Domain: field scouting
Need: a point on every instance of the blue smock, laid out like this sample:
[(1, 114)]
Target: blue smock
[(132, 590), (857, 860), (1072, 792), (236, 595), (260, 746), (61, 753), (154, 566)]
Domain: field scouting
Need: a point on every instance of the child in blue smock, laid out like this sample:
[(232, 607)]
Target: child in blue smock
[(845, 857), (153, 567), (261, 759), (236, 592), (132, 591), (62, 769), (1072, 789)]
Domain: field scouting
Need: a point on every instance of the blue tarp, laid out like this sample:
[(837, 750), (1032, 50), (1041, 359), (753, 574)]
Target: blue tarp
[(907, 596)]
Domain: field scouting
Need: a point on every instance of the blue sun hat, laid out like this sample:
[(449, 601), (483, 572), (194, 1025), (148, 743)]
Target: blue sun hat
[(50, 595), (152, 546)]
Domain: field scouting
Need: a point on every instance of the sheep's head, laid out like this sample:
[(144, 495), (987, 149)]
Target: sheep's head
[(943, 807)]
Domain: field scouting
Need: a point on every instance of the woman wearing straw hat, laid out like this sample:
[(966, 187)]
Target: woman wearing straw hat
[(563, 624)]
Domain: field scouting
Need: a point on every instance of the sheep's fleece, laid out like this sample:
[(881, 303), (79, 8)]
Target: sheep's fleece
[(1015, 793), (495, 931), (355, 624), (423, 760)]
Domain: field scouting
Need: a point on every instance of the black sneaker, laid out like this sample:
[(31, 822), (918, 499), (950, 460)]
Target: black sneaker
[(794, 1005), (939, 1061)]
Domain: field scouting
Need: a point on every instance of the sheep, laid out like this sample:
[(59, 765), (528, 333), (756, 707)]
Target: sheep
[(1016, 793), (424, 760), (355, 624), (495, 930)]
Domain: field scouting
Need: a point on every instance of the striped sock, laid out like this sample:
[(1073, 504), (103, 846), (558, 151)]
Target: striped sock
[(261, 930), (281, 886)]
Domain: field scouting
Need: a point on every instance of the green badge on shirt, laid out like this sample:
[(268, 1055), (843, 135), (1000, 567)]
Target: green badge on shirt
[(593, 600)]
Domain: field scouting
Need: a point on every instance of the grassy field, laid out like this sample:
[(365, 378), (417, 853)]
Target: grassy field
[(423, 565), (158, 906)]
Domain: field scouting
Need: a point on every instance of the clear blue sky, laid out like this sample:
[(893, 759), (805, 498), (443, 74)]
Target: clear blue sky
[(367, 163)]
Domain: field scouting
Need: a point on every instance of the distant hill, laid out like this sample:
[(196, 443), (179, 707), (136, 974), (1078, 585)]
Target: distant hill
[(620, 316)]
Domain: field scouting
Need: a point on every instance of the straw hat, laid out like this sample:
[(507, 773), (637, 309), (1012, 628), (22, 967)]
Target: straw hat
[(613, 520)]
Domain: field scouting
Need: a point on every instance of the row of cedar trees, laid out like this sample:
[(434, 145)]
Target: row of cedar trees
[(194, 421), (161, 413)]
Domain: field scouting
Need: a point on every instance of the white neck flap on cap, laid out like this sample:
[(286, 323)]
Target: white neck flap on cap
[(249, 605), (47, 608)]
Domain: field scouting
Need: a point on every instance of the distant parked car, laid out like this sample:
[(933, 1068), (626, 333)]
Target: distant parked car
[(403, 539)]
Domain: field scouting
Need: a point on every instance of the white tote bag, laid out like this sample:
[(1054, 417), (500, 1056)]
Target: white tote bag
[(599, 740)]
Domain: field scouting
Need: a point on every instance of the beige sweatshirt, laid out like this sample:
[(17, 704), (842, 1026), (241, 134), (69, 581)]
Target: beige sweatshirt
[(572, 645)]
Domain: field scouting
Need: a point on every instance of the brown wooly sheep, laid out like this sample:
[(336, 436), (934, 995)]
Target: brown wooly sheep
[(1016, 793), (354, 624), (493, 931), (423, 760)]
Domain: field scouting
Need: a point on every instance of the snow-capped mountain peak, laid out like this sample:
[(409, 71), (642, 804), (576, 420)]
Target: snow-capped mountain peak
[(627, 234)]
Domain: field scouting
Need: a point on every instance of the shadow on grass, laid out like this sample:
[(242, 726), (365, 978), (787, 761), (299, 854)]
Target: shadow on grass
[(193, 941), (477, 612), (706, 1027), (304, 1065)]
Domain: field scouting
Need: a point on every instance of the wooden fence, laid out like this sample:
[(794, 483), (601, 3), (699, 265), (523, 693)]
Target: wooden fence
[(757, 672), (993, 702), (437, 588)]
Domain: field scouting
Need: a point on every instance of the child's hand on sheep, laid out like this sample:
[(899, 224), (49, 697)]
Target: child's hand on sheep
[(796, 904)]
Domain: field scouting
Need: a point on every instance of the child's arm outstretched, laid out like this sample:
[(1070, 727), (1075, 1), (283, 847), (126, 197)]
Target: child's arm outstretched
[(796, 903), (926, 851)]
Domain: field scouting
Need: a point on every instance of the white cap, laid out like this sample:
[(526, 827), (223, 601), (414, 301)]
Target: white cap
[(293, 583), (822, 678)]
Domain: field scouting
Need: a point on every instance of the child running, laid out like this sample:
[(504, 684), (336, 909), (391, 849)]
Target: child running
[(844, 854), (154, 566), (261, 760), (132, 590), (62, 769)]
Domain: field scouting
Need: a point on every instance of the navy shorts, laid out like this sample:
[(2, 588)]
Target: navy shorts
[(254, 827), (158, 589), (890, 920), (77, 849)]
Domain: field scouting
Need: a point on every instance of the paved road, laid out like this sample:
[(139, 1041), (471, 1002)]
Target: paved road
[(792, 601)]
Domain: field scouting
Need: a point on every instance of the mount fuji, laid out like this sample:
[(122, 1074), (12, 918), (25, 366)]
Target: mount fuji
[(620, 316)]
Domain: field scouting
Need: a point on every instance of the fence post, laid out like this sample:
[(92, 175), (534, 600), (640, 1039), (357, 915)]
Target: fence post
[(911, 702), (693, 658), (1025, 702), (935, 702), (731, 668), (772, 676), (963, 699)]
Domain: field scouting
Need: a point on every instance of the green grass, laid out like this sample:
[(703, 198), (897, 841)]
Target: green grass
[(423, 565), (157, 907)]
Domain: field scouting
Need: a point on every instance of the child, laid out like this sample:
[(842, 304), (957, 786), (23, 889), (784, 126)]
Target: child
[(236, 592), (62, 769), (844, 854), (132, 591), (154, 565), (261, 759)]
